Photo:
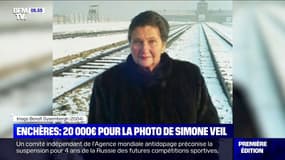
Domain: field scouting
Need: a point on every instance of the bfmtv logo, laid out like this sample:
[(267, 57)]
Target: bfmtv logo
[(21, 13)]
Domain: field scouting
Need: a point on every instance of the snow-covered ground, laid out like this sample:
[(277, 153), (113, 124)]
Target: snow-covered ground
[(77, 101), (91, 27), (70, 46), (225, 31)]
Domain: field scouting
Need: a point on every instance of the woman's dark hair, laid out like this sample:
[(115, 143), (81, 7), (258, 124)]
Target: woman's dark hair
[(150, 18)]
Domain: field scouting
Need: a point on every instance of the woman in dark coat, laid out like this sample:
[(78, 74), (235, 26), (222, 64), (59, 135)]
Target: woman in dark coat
[(151, 87)]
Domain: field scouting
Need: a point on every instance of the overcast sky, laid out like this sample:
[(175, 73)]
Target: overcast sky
[(125, 10)]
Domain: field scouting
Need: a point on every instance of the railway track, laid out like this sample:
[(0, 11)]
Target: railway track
[(194, 46), (220, 55), (220, 47)]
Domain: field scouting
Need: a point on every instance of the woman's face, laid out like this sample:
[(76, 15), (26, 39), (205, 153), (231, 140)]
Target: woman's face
[(147, 46)]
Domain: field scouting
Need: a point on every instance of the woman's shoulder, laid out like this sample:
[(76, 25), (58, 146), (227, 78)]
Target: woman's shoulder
[(185, 66), (112, 73)]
